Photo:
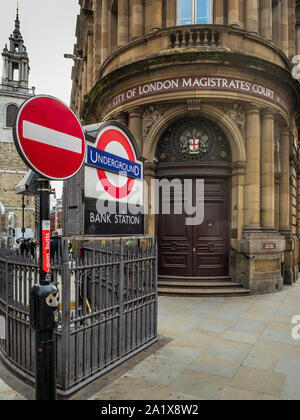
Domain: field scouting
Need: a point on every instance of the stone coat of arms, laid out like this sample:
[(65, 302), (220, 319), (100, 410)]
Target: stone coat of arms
[(194, 143)]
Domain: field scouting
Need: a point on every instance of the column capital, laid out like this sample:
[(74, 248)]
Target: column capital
[(239, 168), (284, 130), (252, 108), (136, 112), (149, 169), (120, 116), (268, 113)]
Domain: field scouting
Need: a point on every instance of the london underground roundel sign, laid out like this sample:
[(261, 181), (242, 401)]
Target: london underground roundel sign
[(116, 160), (49, 138)]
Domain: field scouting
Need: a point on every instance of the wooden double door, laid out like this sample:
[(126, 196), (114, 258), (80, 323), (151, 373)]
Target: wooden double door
[(200, 250)]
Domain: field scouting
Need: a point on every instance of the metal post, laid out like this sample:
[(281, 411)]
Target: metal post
[(23, 216), (44, 306)]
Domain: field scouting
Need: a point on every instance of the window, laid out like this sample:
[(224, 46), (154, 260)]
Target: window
[(11, 113), (194, 12)]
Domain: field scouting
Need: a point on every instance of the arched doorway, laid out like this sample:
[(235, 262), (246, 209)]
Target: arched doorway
[(195, 148)]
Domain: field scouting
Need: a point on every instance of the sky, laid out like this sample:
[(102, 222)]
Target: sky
[(48, 30)]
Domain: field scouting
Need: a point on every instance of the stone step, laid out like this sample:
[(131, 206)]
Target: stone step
[(195, 279), (199, 284), (213, 292)]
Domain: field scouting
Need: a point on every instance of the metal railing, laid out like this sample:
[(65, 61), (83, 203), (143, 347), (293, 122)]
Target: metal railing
[(108, 309)]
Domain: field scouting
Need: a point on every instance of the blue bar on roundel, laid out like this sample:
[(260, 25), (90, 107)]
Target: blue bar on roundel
[(109, 162)]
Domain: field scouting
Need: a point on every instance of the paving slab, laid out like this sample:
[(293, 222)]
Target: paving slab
[(228, 350), (236, 394), (213, 365), (258, 380), (288, 366), (202, 385), (291, 389), (6, 393), (129, 388), (158, 369), (280, 337), (249, 325), (241, 336)]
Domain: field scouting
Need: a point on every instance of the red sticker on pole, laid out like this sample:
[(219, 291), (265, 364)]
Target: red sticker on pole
[(46, 245)]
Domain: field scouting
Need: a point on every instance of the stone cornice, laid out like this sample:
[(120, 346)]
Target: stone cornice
[(225, 58)]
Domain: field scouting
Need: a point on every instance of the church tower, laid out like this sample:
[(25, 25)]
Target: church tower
[(16, 69), (14, 90)]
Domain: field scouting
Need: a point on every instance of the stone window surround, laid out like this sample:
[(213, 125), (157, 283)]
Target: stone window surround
[(194, 16), (5, 114)]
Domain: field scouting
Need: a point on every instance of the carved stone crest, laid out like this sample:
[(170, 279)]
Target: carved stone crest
[(150, 116), (237, 114), (194, 142)]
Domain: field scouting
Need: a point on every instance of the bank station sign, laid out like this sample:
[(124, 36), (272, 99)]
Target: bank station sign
[(114, 193), (199, 83)]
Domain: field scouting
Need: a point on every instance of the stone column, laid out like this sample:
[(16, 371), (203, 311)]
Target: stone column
[(238, 194), (284, 205), (267, 171), (233, 13), (84, 88), (277, 23), (149, 175), (251, 15), (298, 211), (157, 14), (219, 12), (123, 22), (136, 18), (266, 19), (104, 33), (298, 200), (298, 39), (252, 178), (170, 13), (89, 61), (135, 124), (277, 183), (285, 27), (97, 40)]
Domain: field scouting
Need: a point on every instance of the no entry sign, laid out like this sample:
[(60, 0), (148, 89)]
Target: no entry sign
[(49, 138)]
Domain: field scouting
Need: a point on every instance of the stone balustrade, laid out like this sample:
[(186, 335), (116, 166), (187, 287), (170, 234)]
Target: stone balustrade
[(194, 37)]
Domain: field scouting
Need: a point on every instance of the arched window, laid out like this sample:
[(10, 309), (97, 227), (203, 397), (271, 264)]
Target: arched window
[(11, 113), (194, 12)]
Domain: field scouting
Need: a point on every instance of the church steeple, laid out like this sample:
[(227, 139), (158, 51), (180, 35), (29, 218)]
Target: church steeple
[(15, 61)]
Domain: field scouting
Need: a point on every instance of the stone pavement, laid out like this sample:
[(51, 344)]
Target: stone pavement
[(6, 393), (217, 348), (221, 348)]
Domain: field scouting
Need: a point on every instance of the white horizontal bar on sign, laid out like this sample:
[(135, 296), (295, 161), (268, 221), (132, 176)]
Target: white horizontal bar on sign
[(51, 137)]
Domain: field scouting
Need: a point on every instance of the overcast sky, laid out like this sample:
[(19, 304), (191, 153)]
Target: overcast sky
[(48, 30)]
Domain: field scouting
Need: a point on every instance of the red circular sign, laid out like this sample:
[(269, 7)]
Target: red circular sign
[(49, 138), (107, 136)]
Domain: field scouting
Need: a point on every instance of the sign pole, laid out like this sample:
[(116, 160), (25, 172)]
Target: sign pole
[(44, 306), (49, 138)]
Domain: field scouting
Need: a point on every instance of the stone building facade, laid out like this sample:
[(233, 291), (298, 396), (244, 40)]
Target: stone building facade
[(206, 88), (14, 91)]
